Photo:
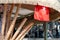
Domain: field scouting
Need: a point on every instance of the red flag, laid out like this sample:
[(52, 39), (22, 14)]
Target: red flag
[(41, 13)]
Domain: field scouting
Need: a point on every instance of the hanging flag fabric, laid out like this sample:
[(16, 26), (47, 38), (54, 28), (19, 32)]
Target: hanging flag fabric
[(41, 13)]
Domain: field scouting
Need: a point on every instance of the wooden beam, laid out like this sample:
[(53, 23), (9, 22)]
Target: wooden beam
[(28, 6), (25, 33), (12, 24), (4, 19), (24, 30), (54, 16), (19, 29), (9, 18), (31, 7)]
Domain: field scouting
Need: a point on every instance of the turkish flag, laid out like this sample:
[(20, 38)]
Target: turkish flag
[(41, 13)]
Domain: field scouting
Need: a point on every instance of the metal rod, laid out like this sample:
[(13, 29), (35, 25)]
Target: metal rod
[(12, 24), (24, 30), (19, 29)]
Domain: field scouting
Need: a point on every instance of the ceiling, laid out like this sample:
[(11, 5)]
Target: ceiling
[(22, 11)]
